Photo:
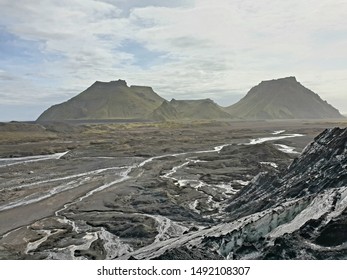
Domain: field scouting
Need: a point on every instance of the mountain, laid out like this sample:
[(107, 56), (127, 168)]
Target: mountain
[(282, 99), (190, 109), (276, 99), (106, 100), (115, 100), (165, 112)]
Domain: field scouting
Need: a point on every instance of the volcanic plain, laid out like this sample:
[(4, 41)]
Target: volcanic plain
[(106, 190)]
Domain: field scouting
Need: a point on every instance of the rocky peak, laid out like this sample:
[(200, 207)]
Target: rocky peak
[(330, 144), (111, 83), (141, 88), (280, 81), (119, 83), (286, 79), (327, 154)]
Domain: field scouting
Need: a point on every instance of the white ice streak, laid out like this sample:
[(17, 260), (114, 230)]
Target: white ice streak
[(229, 188), (215, 149), (124, 176), (113, 246), (273, 138), (320, 206), (272, 164), (242, 182), (65, 220), (286, 149), (219, 148), (196, 184), (36, 197), (174, 170), (214, 205), (89, 238), (89, 173), (68, 253), (193, 206), (31, 246), (166, 228), (20, 160)]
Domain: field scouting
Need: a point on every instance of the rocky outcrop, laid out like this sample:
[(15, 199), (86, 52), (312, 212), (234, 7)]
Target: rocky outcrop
[(299, 213), (306, 207)]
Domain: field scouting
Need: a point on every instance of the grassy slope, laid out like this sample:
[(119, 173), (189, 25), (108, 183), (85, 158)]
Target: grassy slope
[(106, 101), (198, 109), (282, 99)]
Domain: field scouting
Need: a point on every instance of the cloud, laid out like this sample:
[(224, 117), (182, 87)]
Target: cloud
[(183, 49), (126, 6)]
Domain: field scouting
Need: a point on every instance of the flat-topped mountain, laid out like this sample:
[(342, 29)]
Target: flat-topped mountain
[(106, 100), (283, 98)]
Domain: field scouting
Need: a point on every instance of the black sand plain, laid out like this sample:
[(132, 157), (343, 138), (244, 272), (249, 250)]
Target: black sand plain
[(106, 190)]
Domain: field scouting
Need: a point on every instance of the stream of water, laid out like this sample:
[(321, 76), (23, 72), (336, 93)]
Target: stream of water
[(166, 228)]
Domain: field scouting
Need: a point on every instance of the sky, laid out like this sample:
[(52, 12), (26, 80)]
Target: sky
[(51, 50)]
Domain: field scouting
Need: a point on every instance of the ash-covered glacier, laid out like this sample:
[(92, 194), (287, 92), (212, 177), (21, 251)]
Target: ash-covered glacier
[(299, 213)]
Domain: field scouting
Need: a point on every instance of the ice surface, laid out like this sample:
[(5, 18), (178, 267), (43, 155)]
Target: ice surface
[(272, 164), (286, 149), (273, 138)]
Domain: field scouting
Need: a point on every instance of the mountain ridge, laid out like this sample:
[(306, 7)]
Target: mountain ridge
[(283, 98)]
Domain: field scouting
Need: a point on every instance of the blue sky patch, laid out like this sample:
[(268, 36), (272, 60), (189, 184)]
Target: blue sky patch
[(143, 57), (16, 50)]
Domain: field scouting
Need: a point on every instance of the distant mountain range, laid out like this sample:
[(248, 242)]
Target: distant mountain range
[(276, 99)]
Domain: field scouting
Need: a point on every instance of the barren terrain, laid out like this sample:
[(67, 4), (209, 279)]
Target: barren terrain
[(116, 190)]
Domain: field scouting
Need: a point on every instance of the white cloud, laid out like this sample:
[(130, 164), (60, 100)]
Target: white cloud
[(209, 48)]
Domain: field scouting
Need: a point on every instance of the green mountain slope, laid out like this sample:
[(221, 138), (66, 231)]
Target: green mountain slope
[(112, 100), (198, 109), (282, 99), (165, 112), (189, 110)]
